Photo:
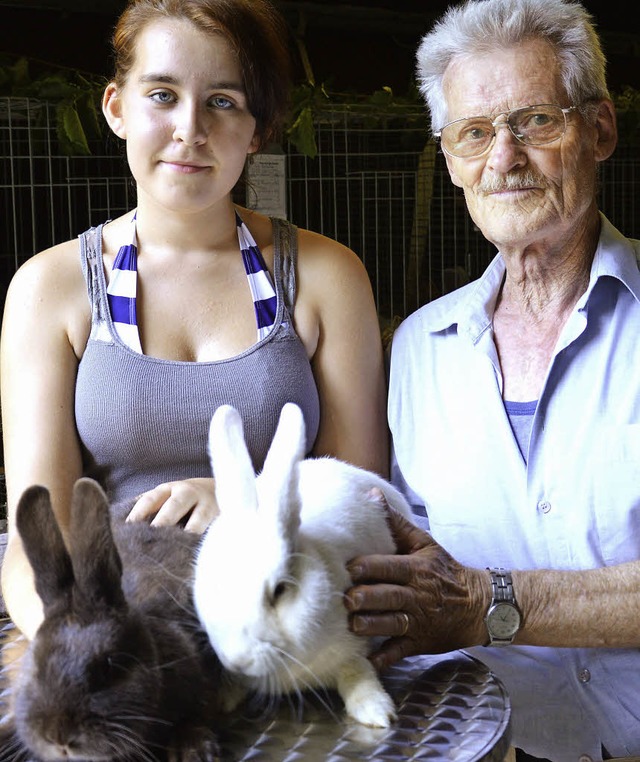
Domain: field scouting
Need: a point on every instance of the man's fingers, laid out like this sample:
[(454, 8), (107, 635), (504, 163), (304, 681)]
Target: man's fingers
[(395, 624), (380, 598), (395, 570), (392, 651)]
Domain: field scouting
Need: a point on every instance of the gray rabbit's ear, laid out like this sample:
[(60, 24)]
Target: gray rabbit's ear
[(235, 478), (45, 549), (97, 566), (278, 483)]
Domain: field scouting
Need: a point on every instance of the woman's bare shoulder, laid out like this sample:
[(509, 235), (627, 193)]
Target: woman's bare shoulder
[(54, 264), (319, 254)]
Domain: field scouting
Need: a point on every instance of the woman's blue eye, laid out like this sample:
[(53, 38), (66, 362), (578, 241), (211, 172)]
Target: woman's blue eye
[(162, 97), (219, 101)]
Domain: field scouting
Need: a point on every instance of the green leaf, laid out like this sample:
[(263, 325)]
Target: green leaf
[(88, 114), (20, 72), (70, 132), (52, 88), (302, 134), (382, 97)]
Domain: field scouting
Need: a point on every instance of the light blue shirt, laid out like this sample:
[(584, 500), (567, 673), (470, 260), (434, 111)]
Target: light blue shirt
[(575, 503)]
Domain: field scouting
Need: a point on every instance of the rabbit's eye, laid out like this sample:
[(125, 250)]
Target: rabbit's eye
[(278, 591), (109, 669), (99, 673)]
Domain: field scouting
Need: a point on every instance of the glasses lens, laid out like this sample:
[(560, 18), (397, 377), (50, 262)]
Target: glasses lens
[(537, 125), (467, 137)]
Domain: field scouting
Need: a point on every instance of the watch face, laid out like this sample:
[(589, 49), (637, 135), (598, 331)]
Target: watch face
[(503, 620)]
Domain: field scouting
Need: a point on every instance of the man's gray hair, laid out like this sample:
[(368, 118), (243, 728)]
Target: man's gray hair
[(481, 26)]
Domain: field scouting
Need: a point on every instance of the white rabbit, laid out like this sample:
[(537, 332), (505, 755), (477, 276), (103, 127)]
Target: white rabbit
[(270, 572)]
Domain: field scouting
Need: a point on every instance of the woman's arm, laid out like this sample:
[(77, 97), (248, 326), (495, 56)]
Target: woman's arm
[(335, 316), (41, 331)]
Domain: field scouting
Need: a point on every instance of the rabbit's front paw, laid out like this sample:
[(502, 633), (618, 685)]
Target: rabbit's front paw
[(365, 700), (373, 708)]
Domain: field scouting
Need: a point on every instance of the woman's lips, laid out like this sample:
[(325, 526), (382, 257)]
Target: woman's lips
[(185, 168)]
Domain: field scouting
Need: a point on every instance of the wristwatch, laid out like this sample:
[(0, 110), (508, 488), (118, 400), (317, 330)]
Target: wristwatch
[(503, 618)]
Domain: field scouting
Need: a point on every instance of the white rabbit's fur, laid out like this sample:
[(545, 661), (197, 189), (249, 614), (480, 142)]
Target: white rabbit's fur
[(270, 572)]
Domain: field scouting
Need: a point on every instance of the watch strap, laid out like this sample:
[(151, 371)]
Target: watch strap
[(502, 596), (501, 586)]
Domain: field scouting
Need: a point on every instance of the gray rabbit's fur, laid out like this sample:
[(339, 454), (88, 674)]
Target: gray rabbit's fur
[(119, 669)]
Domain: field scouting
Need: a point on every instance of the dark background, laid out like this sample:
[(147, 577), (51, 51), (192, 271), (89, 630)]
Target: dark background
[(353, 45)]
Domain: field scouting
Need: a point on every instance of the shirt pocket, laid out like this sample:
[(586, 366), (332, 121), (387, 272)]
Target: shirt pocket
[(616, 492)]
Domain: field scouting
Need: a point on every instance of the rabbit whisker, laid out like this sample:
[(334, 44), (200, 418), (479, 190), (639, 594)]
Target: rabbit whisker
[(171, 663), (13, 750), (125, 741), (140, 717), (128, 745), (313, 685), (297, 705)]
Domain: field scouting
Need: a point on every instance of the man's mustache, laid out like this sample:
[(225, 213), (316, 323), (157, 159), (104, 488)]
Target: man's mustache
[(510, 182)]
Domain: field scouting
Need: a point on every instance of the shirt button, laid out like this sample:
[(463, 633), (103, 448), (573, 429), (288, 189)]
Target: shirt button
[(544, 506), (584, 758), (584, 676)]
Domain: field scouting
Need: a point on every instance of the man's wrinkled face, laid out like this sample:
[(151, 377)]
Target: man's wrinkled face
[(519, 194)]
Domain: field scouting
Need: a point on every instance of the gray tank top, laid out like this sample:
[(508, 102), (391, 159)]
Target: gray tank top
[(143, 420)]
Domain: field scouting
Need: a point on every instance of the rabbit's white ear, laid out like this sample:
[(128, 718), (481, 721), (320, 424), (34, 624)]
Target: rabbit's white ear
[(279, 478), (230, 461)]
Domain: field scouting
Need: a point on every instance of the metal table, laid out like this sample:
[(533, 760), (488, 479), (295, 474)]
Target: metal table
[(450, 707)]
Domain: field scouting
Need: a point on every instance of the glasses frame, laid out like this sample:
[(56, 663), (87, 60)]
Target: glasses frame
[(497, 123)]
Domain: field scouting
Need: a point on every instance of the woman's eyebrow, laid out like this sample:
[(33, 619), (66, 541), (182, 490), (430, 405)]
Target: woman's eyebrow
[(169, 79)]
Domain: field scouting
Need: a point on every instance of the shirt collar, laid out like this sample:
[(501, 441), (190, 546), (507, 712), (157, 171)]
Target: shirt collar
[(471, 307), (616, 257)]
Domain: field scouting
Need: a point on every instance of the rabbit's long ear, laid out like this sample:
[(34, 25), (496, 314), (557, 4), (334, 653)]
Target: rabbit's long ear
[(44, 547), (235, 478), (96, 562), (278, 483)]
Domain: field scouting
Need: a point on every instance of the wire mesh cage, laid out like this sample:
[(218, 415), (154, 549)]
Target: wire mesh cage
[(378, 185), (47, 197)]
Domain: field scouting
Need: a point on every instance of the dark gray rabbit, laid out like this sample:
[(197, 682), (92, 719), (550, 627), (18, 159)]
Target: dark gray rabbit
[(119, 668)]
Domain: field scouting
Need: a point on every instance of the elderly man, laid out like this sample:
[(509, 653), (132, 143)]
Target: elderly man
[(514, 402)]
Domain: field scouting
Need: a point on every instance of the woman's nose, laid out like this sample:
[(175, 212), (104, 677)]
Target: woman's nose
[(190, 125)]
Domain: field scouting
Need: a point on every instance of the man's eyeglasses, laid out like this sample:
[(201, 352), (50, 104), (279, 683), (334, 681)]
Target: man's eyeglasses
[(531, 125)]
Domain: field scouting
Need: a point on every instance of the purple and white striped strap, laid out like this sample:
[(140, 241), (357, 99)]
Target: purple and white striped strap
[(265, 302), (121, 291)]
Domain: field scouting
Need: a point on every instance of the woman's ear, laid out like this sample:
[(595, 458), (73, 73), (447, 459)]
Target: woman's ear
[(112, 110), (255, 143)]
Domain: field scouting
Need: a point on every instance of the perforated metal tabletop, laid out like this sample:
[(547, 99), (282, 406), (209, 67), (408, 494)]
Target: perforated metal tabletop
[(450, 707)]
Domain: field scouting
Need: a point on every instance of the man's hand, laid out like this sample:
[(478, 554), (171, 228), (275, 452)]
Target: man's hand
[(421, 598)]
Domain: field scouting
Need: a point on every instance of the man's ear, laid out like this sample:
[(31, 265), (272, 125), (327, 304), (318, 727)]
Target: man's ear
[(452, 171), (112, 110), (607, 130)]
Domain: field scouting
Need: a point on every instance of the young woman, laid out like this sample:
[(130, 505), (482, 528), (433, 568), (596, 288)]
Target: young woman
[(117, 349)]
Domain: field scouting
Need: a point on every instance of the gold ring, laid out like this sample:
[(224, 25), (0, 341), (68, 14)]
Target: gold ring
[(405, 622)]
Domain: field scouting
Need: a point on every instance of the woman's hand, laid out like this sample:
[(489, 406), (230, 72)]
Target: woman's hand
[(172, 502), (422, 598)]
